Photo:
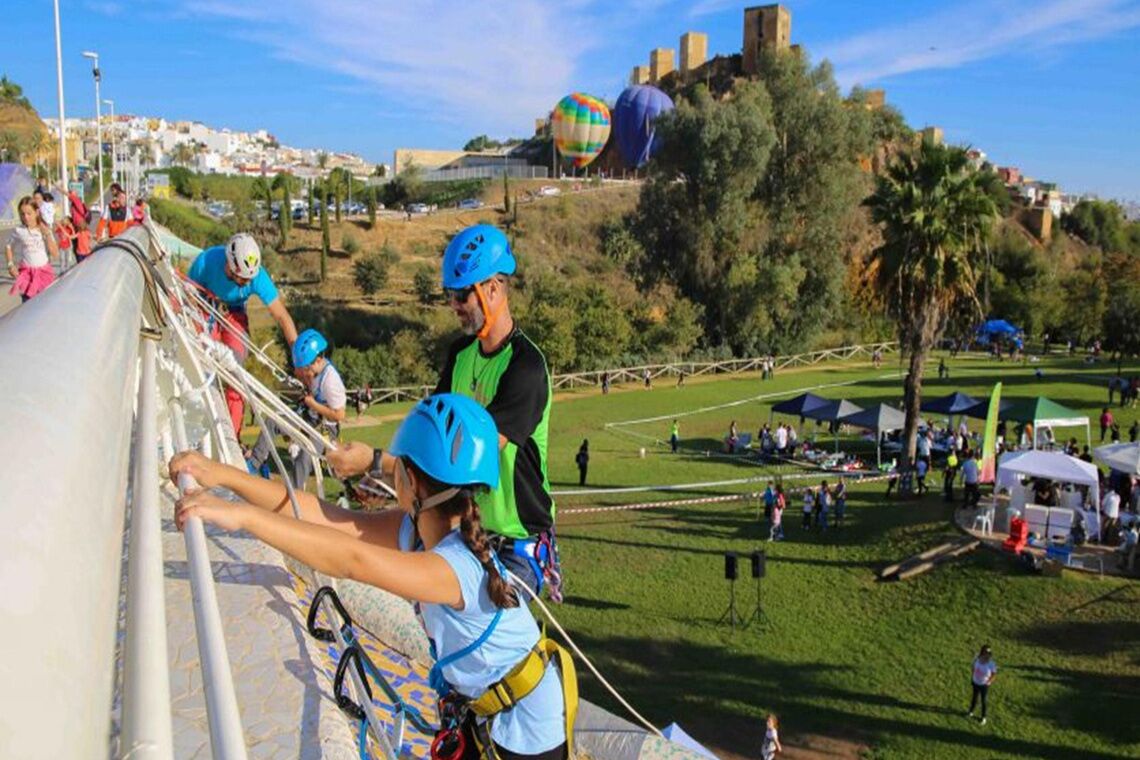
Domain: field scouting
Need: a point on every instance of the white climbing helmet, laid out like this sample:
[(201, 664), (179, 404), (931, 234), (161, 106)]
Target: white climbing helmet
[(243, 255)]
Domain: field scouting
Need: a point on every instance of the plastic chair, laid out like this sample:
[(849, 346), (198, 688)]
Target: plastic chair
[(984, 521), (1018, 534)]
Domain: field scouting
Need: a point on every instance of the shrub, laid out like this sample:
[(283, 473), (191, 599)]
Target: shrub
[(350, 244), (371, 272), (426, 283), (185, 222)]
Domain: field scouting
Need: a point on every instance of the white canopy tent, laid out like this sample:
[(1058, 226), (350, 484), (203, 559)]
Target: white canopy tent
[(1122, 457), (1053, 465)]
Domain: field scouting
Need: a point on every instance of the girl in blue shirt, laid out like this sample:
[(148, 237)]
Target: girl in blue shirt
[(432, 551)]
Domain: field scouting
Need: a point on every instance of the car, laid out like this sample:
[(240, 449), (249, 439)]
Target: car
[(547, 190), (298, 212), (417, 208), (470, 203)]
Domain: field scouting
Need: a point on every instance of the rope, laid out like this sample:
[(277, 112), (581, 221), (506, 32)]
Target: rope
[(554, 621)]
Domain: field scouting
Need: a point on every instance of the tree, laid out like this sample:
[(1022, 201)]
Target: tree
[(182, 154), (931, 211), (259, 189), (370, 199), (1099, 223), (283, 183), (11, 145), (370, 273), (325, 241), (506, 194), (10, 92), (1122, 325), (426, 283), (694, 216), (312, 202), (322, 159)]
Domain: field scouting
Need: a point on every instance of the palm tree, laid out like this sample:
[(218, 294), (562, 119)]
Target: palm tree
[(182, 154), (322, 159), (932, 211), (11, 146)]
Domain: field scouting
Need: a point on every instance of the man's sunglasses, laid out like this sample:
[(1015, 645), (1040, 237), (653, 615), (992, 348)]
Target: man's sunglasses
[(459, 295)]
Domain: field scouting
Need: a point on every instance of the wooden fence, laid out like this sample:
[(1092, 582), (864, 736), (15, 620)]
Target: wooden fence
[(671, 369)]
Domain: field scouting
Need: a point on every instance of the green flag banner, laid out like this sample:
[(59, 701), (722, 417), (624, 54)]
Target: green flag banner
[(989, 441)]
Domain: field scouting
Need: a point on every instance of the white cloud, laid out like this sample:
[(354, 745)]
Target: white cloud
[(975, 31), (495, 69)]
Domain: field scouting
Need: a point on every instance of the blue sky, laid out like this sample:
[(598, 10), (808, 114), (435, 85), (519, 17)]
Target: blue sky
[(1051, 86)]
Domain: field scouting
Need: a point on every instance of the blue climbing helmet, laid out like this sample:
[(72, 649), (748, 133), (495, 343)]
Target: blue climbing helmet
[(452, 439), (477, 254), (309, 345)]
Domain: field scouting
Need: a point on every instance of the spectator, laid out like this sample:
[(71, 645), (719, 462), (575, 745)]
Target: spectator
[(733, 439), (984, 670), (681, 379), (769, 499), (948, 476), (1105, 422), (29, 251), (675, 436), (771, 743), (840, 496), (781, 439), (648, 379), (1085, 455), (1110, 510), (921, 468), (823, 504), (583, 461), (1134, 431), (779, 504), (970, 481), (809, 505), (82, 241), (1114, 436), (605, 383), (116, 217)]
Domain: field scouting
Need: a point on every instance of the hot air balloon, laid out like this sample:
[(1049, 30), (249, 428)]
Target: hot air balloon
[(634, 114), (581, 127)]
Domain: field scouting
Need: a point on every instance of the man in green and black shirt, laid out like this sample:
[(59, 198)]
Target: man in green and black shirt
[(495, 364)]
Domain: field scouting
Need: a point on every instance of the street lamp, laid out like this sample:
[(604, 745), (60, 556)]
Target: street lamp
[(62, 130), (98, 121), (114, 152)]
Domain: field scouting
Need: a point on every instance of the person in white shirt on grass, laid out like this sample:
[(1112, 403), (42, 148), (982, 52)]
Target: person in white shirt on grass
[(984, 671), (1110, 508)]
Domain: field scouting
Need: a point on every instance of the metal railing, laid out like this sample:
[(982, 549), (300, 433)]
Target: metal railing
[(636, 374)]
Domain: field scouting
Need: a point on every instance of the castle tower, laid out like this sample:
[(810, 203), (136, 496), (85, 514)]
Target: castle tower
[(661, 63), (639, 75), (766, 28), (694, 50)]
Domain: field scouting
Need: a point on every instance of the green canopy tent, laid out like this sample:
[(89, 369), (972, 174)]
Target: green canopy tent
[(1041, 412)]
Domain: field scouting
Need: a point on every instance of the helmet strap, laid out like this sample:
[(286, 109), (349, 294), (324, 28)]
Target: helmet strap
[(489, 317)]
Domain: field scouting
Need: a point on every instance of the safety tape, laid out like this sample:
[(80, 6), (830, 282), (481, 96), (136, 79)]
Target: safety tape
[(708, 499)]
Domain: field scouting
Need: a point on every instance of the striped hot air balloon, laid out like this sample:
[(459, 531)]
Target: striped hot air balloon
[(581, 127)]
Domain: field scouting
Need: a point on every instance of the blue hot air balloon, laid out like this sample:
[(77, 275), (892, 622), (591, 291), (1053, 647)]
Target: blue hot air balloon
[(634, 115)]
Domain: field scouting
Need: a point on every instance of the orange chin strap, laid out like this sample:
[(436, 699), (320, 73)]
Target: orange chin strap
[(489, 318)]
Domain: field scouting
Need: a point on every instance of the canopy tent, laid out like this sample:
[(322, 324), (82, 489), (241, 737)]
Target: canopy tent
[(998, 327), (800, 405), (1122, 457), (955, 403), (1048, 464), (981, 410), (1041, 412), (881, 418), (677, 735), (833, 412)]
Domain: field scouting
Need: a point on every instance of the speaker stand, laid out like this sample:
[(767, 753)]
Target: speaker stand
[(758, 614), (731, 615)]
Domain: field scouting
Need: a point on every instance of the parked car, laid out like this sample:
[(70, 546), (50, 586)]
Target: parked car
[(549, 190), (417, 208), (470, 203)]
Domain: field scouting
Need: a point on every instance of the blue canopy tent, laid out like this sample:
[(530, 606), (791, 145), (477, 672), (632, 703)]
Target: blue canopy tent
[(997, 327), (833, 412), (882, 418), (955, 403), (798, 406)]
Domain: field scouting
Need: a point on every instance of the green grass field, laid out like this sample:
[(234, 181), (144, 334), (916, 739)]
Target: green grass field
[(848, 663)]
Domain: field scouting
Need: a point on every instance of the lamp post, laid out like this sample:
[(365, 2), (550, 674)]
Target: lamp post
[(98, 122), (62, 131), (114, 151)]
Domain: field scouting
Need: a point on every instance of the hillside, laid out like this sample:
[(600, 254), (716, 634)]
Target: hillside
[(20, 125)]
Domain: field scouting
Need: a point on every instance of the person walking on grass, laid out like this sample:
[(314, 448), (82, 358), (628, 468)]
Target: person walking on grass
[(984, 671), (1105, 423), (675, 436), (779, 503), (921, 467), (769, 498), (809, 506), (583, 461), (771, 743)]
